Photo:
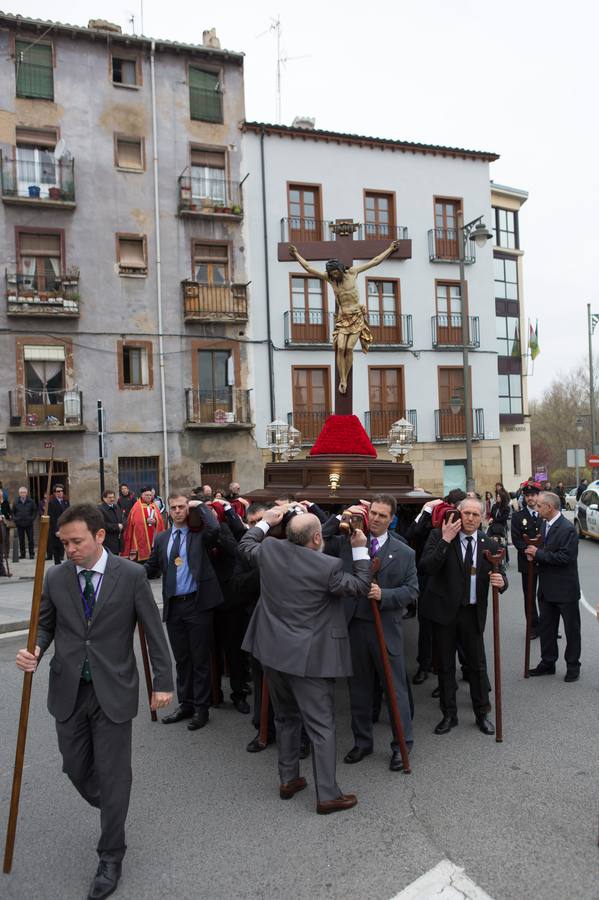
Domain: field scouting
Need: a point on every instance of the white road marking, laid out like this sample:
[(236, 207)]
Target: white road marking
[(587, 605), (445, 881)]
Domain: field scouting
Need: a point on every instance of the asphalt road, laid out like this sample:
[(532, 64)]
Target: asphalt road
[(206, 821)]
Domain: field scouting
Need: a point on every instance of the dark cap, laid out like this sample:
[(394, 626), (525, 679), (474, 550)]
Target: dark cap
[(533, 488)]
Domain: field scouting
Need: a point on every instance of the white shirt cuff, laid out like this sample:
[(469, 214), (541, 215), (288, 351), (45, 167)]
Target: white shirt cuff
[(359, 553), (264, 526)]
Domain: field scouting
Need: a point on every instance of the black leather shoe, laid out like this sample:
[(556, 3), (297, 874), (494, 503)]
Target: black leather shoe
[(396, 762), (177, 716), (356, 754), (572, 675), (484, 725), (436, 693), (105, 881), (241, 705), (534, 634), (446, 724), (255, 746), (420, 676), (304, 750), (541, 669), (198, 720)]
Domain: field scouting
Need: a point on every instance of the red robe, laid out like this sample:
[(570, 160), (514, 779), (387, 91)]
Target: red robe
[(138, 534)]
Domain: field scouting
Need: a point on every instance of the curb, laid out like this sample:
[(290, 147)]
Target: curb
[(7, 627)]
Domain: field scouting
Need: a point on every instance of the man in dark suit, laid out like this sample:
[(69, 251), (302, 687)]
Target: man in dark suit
[(90, 606), (559, 587), (113, 522), (526, 522), (190, 592), (56, 506), (299, 634), (24, 511), (455, 600)]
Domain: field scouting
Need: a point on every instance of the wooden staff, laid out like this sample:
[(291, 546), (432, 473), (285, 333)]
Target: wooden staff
[(534, 541), (264, 701), (495, 560), (396, 725), (40, 563), (144, 655)]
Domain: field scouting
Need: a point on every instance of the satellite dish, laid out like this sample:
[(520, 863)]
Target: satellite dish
[(60, 149)]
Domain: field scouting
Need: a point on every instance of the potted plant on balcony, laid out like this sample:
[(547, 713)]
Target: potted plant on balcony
[(71, 277), (54, 193), (34, 190), (236, 209), (68, 192)]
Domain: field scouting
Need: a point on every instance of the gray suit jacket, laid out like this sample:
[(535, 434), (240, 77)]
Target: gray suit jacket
[(299, 625), (124, 598)]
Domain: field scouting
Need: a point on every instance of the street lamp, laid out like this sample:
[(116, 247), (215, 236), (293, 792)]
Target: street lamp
[(400, 439), (476, 232)]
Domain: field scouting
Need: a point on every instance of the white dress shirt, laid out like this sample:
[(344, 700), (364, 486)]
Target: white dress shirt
[(98, 569)]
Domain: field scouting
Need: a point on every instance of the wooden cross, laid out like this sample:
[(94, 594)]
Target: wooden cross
[(348, 250)]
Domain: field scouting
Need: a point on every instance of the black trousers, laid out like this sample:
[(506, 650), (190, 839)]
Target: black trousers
[(550, 614), (257, 675), (190, 634), (96, 756), (56, 548), (25, 530), (464, 629), (535, 613), (229, 630)]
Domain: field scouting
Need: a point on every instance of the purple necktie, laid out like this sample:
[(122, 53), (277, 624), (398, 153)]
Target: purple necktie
[(374, 547)]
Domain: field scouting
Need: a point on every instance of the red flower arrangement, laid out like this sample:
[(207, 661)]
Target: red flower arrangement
[(343, 435)]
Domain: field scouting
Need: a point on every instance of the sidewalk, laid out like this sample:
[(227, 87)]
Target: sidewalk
[(16, 594)]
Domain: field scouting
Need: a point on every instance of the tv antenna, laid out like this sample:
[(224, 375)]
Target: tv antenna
[(281, 61)]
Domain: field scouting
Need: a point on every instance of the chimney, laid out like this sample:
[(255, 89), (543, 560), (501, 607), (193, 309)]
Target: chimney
[(209, 39), (103, 25), (304, 122)]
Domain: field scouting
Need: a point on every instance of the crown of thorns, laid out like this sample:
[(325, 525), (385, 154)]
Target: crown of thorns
[(333, 264)]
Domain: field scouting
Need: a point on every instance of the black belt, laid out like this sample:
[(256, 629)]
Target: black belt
[(183, 596)]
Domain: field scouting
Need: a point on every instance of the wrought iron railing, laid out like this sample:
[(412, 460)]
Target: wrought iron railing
[(305, 228), (444, 246), (42, 294), (44, 179), (309, 424), (451, 426), (377, 422), (44, 408), (210, 302), (205, 105), (375, 231), (218, 406), (312, 326), (390, 329), (210, 196), (447, 331), (300, 228)]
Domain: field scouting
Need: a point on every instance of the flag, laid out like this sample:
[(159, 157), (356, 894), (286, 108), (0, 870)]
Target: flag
[(594, 320), (533, 341), (516, 345)]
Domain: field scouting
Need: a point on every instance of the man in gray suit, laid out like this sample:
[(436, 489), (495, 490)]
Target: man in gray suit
[(90, 606), (299, 634)]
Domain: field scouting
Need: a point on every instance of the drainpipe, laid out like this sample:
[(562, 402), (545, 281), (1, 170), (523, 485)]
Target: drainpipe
[(271, 373), (159, 274)]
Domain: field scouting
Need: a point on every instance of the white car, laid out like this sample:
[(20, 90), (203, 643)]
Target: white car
[(586, 519), (571, 499)]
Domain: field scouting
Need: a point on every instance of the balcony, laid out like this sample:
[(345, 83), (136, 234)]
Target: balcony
[(308, 328), (220, 408), (47, 183), (309, 423), (43, 295), (451, 426), (377, 422), (444, 246), (390, 330), (210, 198), (306, 229), (45, 410), (447, 331), (214, 302)]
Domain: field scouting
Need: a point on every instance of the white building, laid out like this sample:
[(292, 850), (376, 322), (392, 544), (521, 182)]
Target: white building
[(302, 181)]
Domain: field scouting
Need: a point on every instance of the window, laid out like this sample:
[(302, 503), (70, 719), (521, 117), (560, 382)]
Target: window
[(129, 153), (135, 364), (386, 392), (379, 215), (311, 400), (308, 310), (40, 260), (506, 278), (304, 213), (138, 471), (452, 422), (383, 310), (508, 336), (516, 458), (506, 228), (132, 254), (211, 263), (510, 395), (449, 313), (208, 176), (126, 71), (34, 72), (44, 384), (446, 224), (216, 376), (205, 95), (218, 475)]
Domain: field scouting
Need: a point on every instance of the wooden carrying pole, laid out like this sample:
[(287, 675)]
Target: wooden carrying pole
[(534, 541), (144, 655), (495, 560), (396, 725), (36, 600)]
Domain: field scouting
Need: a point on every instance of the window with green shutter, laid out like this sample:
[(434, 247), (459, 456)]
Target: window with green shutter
[(34, 72), (205, 96)]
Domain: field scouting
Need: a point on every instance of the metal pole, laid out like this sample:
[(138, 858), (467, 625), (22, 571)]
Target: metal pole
[(101, 445), (465, 341), (594, 447)]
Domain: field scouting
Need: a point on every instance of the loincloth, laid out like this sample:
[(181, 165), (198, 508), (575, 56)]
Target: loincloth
[(353, 323)]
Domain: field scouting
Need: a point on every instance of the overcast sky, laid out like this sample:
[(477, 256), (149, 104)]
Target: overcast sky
[(519, 78)]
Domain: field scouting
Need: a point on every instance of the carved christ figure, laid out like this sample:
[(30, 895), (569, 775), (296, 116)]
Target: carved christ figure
[(350, 315)]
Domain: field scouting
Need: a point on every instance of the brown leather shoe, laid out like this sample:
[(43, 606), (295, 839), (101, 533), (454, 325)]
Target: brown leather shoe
[(345, 801), (289, 790)]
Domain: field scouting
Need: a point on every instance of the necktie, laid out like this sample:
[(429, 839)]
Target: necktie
[(89, 601), (468, 563), (171, 570), (374, 547)]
